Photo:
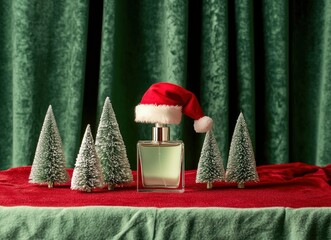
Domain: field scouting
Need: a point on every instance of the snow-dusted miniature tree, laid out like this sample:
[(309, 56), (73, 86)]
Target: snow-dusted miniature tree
[(49, 162), (87, 173), (111, 149), (210, 167), (241, 165)]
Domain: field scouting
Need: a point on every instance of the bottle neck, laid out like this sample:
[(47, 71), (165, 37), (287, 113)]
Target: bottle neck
[(161, 133)]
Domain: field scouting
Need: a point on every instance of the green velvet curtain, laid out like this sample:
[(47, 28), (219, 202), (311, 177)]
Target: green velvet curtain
[(269, 59)]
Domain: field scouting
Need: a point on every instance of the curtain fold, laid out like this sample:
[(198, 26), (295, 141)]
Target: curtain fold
[(274, 82), (268, 59), (214, 93), (310, 82), (324, 112), (243, 62), (6, 86)]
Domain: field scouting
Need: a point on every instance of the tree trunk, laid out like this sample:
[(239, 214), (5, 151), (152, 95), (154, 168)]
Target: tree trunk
[(241, 185), (50, 184), (209, 185)]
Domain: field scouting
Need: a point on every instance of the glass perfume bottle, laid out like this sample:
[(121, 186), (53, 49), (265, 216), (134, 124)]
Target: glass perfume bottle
[(160, 163)]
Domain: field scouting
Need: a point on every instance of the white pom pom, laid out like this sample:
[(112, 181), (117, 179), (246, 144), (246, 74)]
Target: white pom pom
[(203, 124)]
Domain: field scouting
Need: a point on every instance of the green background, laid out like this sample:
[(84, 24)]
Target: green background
[(269, 59)]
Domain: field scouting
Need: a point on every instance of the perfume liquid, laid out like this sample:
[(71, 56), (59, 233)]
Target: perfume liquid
[(160, 166)]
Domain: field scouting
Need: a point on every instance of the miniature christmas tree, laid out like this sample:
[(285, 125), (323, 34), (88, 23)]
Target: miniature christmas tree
[(111, 149), (87, 173), (210, 167), (241, 165), (49, 161)]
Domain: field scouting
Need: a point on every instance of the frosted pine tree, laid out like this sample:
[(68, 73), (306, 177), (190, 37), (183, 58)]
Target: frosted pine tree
[(49, 161), (87, 173), (241, 165), (210, 167), (111, 149)]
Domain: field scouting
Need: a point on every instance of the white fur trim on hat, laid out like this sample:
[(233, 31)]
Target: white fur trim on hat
[(203, 124), (164, 114)]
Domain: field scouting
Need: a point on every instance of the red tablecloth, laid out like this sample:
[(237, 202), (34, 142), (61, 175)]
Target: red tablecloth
[(287, 185)]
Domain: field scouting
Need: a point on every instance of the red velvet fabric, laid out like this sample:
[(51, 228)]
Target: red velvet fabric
[(286, 185)]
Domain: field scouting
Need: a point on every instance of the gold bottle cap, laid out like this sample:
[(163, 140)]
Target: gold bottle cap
[(161, 133)]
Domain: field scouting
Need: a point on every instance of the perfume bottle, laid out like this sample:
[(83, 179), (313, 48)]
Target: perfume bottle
[(160, 163)]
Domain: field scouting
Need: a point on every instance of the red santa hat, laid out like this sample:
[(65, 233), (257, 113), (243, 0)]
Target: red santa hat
[(165, 102)]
